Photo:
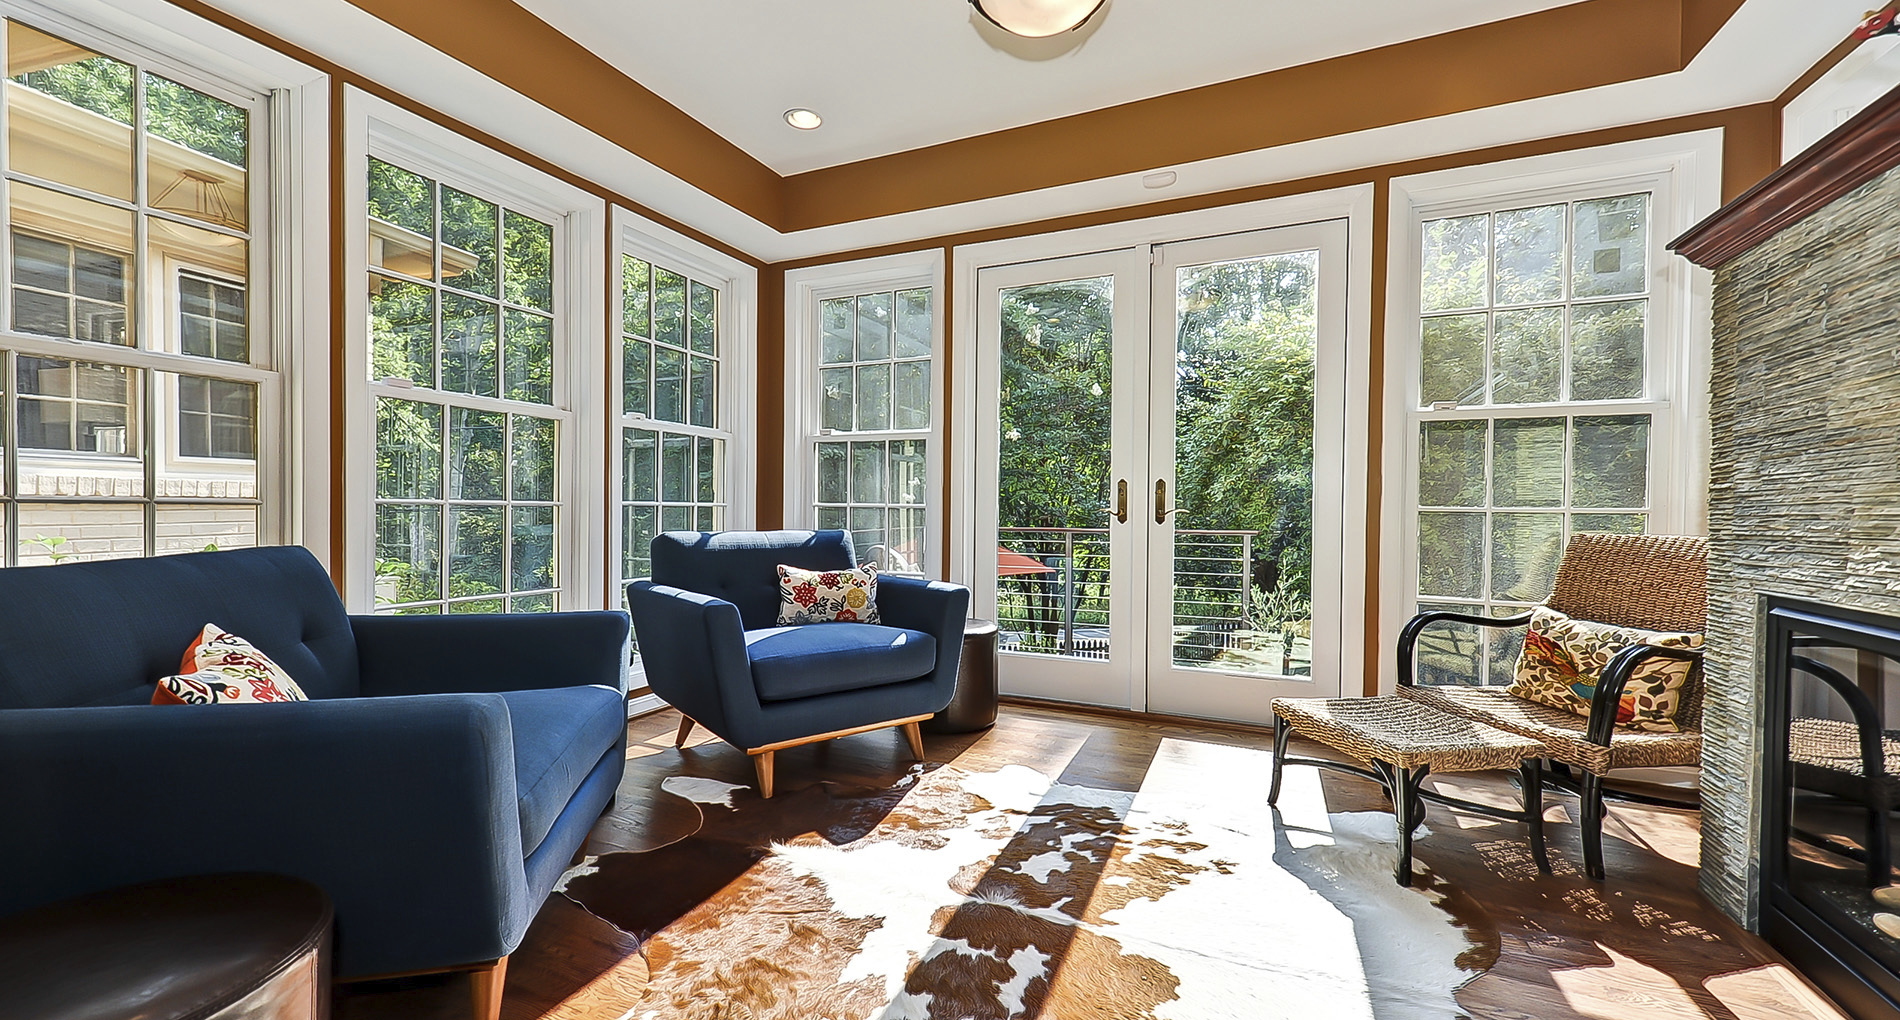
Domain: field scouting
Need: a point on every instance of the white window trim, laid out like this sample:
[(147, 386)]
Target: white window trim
[(738, 284), (805, 292), (1685, 173), (290, 258), (373, 126)]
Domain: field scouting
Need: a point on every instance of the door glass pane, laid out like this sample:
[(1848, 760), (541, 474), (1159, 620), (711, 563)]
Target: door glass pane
[(1054, 467), (1243, 421)]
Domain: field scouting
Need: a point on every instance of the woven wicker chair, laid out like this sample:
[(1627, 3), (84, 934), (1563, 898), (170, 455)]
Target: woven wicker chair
[(1655, 582)]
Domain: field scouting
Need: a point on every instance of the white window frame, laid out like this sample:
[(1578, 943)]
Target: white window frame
[(289, 254), (738, 286), (374, 127), (806, 290), (1683, 175)]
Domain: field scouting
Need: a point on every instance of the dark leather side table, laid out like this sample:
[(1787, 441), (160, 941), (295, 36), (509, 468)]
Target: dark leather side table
[(973, 707), (205, 947)]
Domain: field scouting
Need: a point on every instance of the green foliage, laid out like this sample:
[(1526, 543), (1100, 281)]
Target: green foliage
[(55, 546), (99, 84), (196, 121), (172, 111), (401, 197), (1244, 410), (1056, 407)]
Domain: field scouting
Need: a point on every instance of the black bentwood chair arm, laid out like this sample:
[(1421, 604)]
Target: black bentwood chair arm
[(1616, 676), (1408, 638)]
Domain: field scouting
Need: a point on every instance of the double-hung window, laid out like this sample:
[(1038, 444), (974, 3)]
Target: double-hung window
[(135, 370), (863, 411), (474, 304), (1543, 396), (681, 370)]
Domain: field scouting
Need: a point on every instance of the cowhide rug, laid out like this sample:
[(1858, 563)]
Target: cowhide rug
[(1005, 894)]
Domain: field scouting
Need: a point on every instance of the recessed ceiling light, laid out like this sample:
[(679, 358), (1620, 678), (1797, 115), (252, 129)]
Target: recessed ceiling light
[(803, 119)]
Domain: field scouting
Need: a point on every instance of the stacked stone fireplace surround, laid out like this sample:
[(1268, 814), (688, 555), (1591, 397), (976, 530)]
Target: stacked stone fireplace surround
[(1805, 458)]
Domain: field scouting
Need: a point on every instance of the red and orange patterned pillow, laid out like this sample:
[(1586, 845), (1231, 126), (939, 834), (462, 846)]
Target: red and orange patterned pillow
[(827, 596), (221, 668), (1563, 658)]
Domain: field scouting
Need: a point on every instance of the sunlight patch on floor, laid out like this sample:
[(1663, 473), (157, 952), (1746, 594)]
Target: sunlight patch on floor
[(1623, 989), (1768, 992)]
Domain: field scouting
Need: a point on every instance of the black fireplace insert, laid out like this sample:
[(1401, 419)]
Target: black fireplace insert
[(1832, 783)]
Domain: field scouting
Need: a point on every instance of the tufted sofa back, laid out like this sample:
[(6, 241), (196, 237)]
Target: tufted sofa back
[(77, 634), (742, 566)]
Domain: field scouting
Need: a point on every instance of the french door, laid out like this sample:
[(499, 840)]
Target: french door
[(1160, 449)]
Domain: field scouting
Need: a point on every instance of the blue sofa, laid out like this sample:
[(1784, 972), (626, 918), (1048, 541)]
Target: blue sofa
[(440, 779), (710, 641)]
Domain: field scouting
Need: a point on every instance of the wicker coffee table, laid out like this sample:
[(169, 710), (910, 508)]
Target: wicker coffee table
[(1401, 743)]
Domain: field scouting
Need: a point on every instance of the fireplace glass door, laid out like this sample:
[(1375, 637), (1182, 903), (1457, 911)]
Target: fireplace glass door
[(1834, 776)]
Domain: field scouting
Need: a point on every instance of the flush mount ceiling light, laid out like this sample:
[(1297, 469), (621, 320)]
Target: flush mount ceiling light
[(803, 119), (1037, 19)]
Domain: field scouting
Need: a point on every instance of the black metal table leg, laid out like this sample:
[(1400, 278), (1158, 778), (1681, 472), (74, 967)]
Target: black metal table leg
[(1281, 732), (1590, 806), (1532, 776), (1409, 811)]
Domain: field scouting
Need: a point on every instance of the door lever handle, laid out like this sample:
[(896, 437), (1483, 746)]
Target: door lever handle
[(1161, 501), (1120, 509)]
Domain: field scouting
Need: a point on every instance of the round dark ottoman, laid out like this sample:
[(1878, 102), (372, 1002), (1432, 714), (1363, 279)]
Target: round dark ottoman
[(974, 705), (255, 947)]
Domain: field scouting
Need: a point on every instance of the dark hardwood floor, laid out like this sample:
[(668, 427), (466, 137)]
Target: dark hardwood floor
[(1641, 944)]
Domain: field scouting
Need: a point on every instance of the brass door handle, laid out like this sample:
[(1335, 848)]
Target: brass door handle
[(1120, 509), (1162, 509)]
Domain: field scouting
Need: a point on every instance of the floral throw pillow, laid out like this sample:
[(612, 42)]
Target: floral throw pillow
[(827, 596), (1563, 659), (221, 668)]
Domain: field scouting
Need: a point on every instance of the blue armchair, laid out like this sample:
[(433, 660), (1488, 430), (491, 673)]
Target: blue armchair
[(709, 637), (440, 779)]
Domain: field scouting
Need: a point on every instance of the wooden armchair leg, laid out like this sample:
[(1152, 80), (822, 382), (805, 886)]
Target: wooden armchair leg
[(762, 765), (916, 738), (686, 730), (485, 984)]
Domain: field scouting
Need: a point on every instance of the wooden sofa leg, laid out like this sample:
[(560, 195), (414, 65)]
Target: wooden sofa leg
[(485, 988), (686, 730), (762, 764), (916, 738)]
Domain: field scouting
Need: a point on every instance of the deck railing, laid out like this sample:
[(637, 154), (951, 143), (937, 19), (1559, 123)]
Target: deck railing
[(1053, 584)]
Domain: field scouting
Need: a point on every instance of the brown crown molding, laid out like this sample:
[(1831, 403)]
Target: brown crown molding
[(512, 46), (1576, 46), (1556, 51), (1850, 156)]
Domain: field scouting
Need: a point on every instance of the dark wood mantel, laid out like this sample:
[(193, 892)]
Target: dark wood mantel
[(1851, 155)]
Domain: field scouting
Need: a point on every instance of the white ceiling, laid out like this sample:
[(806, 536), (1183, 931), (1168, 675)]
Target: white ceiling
[(892, 75)]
